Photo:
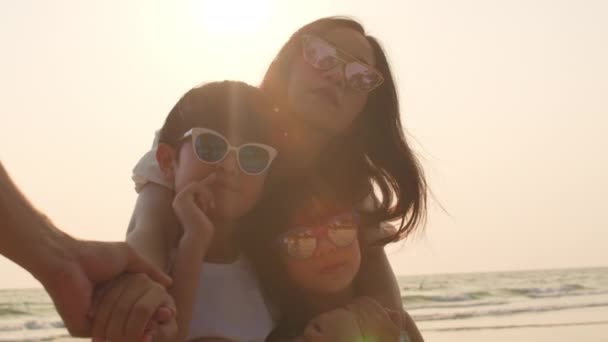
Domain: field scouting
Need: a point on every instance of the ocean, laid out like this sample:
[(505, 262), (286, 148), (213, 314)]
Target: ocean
[(543, 305)]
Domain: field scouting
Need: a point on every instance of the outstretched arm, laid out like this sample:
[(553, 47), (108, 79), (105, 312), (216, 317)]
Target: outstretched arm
[(68, 268)]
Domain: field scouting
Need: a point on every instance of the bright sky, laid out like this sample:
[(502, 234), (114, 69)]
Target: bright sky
[(506, 100)]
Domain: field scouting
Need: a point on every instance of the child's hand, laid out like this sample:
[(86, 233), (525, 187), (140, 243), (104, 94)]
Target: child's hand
[(192, 206), (375, 322), (133, 308), (363, 320), (338, 325)]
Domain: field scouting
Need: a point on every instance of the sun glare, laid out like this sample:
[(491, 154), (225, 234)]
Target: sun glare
[(234, 17)]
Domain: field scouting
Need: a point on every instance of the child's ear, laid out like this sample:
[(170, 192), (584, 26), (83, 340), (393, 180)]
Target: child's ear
[(165, 156)]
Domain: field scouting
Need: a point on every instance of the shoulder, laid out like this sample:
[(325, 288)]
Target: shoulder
[(375, 232)]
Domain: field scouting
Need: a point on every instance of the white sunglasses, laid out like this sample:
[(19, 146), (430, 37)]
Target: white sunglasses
[(212, 148)]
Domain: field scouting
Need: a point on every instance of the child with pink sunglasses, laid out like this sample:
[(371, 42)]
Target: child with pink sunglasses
[(307, 247)]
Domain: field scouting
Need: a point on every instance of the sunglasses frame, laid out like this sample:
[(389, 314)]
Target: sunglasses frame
[(197, 131), (325, 227), (307, 37)]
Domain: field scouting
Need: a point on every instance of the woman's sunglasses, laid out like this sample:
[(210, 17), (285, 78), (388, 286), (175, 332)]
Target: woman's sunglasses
[(302, 243), (211, 148), (322, 55)]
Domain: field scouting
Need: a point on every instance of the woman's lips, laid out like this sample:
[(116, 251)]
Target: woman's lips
[(328, 95)]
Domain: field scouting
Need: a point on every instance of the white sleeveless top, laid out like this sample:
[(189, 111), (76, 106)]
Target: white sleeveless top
[(229, 304)]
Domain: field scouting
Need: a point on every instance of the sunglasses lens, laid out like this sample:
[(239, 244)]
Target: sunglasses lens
[(361, 77), (254, 159), (300, 247), (342, 236), (210, 147), (319, 54)]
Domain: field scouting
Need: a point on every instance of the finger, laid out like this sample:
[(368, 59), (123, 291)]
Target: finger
[(312, 332), (195, 187), (371, 309), (98, 295), (206, 195), (397, 317), (163, 315), (150, 332), (197, 193), (136, 287), (113, 293), (209, 180), (167, 331), (144, 311), (146, 338), (204, 199), (369, 304), (135, 264), (151, 327)]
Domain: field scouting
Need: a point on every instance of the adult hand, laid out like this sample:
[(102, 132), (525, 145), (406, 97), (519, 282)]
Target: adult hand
[(133, 308), (86, 264), (69, 269)]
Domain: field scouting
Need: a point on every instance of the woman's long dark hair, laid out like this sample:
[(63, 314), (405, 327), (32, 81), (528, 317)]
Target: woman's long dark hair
[(375, 153)]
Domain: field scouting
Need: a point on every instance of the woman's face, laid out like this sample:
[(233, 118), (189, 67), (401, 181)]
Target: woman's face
[(321, 260), (321, 97)]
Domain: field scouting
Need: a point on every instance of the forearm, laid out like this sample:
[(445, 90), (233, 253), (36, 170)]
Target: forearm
[(186, 271), (412, 329), (377, 280), (154, 229), (24, 229)]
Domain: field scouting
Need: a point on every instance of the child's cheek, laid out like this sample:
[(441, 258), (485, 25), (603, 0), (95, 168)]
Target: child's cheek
[(355, 256)]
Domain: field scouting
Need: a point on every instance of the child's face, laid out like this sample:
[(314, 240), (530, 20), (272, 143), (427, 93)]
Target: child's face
[(235, 192), (323, 259)]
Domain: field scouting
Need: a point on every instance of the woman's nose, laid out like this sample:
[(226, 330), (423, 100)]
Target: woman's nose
[(324, 247), (335, 75)]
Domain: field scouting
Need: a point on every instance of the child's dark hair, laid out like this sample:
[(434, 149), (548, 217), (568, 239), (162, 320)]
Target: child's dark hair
[(229, 107)]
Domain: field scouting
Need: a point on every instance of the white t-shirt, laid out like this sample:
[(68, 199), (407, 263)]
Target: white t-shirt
[(229, 304)]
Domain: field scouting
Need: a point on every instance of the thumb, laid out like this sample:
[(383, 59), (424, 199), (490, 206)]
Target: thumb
[(313, 333), (164, 314), (395, 316), (135, 264)]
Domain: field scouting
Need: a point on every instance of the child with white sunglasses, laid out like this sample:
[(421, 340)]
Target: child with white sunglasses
[(215, 149)]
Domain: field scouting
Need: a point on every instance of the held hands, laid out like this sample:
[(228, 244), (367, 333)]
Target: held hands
[(133, 307), (85, 265)]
